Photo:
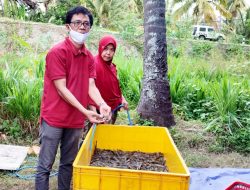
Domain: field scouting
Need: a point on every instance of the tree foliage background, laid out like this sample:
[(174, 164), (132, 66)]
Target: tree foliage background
[(122, 15)]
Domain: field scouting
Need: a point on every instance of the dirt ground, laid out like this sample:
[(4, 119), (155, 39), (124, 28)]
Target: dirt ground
[(198, 148)]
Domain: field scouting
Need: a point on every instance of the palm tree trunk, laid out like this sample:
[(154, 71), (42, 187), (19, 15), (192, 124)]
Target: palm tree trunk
[(155, 102)]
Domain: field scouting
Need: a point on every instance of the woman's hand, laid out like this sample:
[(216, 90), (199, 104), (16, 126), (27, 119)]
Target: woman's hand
[(105, 111), (125, 103), (94, 117)]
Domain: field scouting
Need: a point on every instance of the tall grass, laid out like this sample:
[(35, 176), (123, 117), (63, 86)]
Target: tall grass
[(215, 92), (21, 89), (225, 95), (130, 73)]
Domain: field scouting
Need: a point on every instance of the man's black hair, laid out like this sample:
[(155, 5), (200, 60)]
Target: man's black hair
[(78, 10)]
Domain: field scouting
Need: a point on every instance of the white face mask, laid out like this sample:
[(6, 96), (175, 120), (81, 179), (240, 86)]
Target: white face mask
[(77, 37)]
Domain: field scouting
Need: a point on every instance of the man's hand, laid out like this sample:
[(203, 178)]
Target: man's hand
[(94, 117), (125, 103), (105, 111)]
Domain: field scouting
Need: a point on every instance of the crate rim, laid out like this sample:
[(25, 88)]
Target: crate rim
[(94, 168), (187, 173)]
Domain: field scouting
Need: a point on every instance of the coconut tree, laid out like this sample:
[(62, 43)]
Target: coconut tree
[(13, 8), (106, 12), (236, 7), (155, 102), (201, 10)]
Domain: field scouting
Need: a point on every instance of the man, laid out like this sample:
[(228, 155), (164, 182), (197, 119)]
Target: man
[(68, 81)]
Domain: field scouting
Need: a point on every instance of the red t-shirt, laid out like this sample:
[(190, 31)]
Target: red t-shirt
[(76, 66)]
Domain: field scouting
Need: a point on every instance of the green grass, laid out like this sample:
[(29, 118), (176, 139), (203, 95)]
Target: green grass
[(130, 73)]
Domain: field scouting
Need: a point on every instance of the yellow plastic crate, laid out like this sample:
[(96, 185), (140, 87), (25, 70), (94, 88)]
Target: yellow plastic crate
[(127, 138)]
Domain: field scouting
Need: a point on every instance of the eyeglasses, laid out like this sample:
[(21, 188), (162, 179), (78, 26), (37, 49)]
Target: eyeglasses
[(78, 24)]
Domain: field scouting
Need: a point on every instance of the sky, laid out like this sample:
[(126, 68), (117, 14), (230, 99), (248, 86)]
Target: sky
[(247, 2)]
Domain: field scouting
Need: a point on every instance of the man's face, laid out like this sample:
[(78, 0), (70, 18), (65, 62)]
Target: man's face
[(108, 52), (80, 23)]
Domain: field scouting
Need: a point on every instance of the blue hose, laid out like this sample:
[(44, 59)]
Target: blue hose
[(129, 119), (16, 173), (120, 106), (29, 176), (92, 137)]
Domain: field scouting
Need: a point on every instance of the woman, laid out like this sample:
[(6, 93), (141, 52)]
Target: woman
[(106, 77)]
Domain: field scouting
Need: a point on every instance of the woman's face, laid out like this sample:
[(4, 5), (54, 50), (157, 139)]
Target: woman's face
[(108, 52)]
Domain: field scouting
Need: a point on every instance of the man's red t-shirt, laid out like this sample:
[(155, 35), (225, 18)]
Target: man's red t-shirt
[(76, 66)]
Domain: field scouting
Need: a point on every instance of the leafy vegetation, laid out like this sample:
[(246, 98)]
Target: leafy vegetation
[(214, 90), (130, 74), (201, 10), (118, 14)]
